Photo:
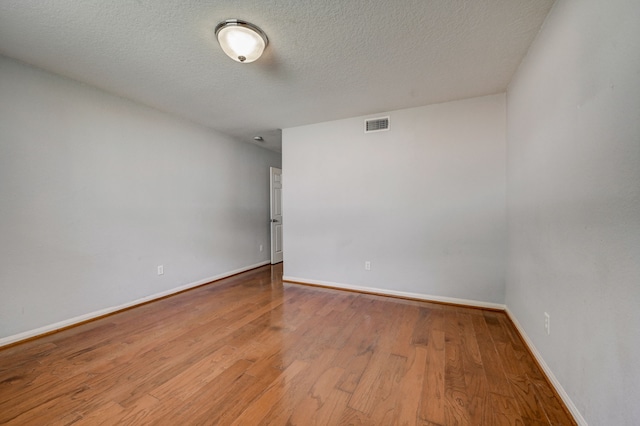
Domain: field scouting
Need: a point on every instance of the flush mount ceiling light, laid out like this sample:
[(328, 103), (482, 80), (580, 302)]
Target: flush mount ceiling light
[(240, 40)]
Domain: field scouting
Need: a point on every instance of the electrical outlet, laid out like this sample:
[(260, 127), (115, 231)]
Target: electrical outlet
[(367, 265), (160, 269), (547, 323), (261, 247)]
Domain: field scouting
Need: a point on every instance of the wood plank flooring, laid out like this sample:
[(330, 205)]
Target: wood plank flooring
[(250, 350)]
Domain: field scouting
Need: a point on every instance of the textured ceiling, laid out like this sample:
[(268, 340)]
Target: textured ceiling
[(327, 59)]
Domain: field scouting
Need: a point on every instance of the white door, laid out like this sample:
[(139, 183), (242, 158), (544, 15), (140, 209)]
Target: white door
[(276, 215)]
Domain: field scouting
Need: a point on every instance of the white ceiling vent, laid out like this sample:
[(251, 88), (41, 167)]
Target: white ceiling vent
[(379, 124)]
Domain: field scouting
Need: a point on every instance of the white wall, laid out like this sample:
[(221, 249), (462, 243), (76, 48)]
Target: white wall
[(96, 191), (424, 202), (574, 203)]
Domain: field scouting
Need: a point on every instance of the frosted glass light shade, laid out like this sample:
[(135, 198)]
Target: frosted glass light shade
[(241, 41)]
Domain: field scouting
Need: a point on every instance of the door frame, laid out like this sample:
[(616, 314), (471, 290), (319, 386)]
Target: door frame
[(275, 220)]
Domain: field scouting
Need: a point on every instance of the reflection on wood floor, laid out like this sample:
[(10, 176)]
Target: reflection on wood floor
[(249, 350)]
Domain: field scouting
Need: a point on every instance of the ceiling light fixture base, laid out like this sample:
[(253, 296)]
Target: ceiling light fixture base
[(240, 40)]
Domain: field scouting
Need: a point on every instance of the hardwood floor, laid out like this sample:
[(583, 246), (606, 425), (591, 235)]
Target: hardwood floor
[(249, 350)]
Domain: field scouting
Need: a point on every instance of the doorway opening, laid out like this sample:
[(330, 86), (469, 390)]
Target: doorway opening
[(275, 186)]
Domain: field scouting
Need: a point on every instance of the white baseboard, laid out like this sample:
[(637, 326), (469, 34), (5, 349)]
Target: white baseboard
[(86, 317), (554, 381), (394, 293)]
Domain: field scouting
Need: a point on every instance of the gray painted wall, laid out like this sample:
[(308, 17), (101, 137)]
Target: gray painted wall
[(574, 203), (424, 202), (96, 191)]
